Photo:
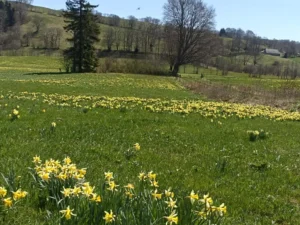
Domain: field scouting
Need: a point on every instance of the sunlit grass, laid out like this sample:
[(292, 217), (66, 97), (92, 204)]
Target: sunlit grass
[(258, 180)]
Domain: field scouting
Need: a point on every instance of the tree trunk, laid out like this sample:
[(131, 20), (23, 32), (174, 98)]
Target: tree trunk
[(175, 70)]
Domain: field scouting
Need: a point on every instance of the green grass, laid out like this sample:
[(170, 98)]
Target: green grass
[(258, 181)]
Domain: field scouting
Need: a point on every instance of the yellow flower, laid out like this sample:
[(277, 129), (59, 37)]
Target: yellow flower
[(19, 194), (171, 203), (67, 213), (142, 176), (169, 193), (222, 209), (87, 189), (112, 186), (129, 194), (15, 112), (36, 159), (207, 200), (53, 124), (151, 175), (62, 176), (76, 191), (154, 183), (109, 217), (193, 196), (67, 161), (95, 198), (137, 146), (202, 214), (44, 110), (109, 175), (44, 176), (7, 202), (129, 186), (173, 218), (3, 192), (67, 192), (82, 172), (155, 195)]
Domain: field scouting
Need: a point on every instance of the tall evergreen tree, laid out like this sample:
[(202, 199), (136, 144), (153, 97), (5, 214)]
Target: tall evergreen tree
[(81, 22)]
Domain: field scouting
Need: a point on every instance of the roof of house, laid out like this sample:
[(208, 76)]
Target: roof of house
[(272, 51)]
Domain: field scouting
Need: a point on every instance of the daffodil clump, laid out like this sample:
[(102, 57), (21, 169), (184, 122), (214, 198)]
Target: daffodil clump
[(8, 199), (76, 199), (210, 110), (256, 135), (15, 114)]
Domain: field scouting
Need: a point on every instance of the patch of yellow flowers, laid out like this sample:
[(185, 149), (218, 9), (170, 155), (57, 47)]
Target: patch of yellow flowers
[(206, 109), (107, 81), (9, 200), (148, 193)]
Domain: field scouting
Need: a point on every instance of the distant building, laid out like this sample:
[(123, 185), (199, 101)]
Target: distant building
[(274, 52)]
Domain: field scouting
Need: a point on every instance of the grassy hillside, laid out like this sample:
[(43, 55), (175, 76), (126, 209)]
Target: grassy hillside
[(191, 144)]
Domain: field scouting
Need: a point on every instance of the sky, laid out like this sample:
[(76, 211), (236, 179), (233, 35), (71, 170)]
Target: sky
[(273, 19)]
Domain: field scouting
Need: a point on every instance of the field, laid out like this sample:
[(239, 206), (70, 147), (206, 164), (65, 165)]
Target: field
[(190, 142)]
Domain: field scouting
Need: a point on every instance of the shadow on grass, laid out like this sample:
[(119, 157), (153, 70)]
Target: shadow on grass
[(47, 73)]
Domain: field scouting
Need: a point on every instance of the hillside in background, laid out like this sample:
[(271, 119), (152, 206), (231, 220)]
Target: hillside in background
[(235, 50)]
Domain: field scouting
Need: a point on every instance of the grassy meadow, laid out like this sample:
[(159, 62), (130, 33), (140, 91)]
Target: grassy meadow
[(189, 141)]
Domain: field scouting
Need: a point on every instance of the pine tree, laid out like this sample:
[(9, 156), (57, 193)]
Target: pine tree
[(81, 22)]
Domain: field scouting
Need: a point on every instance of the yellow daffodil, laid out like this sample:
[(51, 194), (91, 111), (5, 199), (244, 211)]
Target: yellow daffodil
[(67, 213), (109, 176), (137, 146), (171, 203), (67, 192), (193, 196), (109, 217), (222, 209), (154, 183), (7, 202), (129, 186), (76, 191), (37, 159), (172, 218), (44, 176), (19, 194), (156, 195), (129, 194), (169, 193), (151, 175), (207, 200), (95, 198), (67, 160), (3, 192), (142, 176), (112, 186), (88, 190)]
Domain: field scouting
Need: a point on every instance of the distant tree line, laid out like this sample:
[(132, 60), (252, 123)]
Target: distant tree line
[(290, 48)]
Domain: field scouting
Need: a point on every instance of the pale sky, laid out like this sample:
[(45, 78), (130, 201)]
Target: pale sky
[(278, 19)]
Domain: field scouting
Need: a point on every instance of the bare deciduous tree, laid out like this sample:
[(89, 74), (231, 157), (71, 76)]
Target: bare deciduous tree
[(192, 22), (109, 38), (21, 9), (38, 22), (52, 37), (132, 21)]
